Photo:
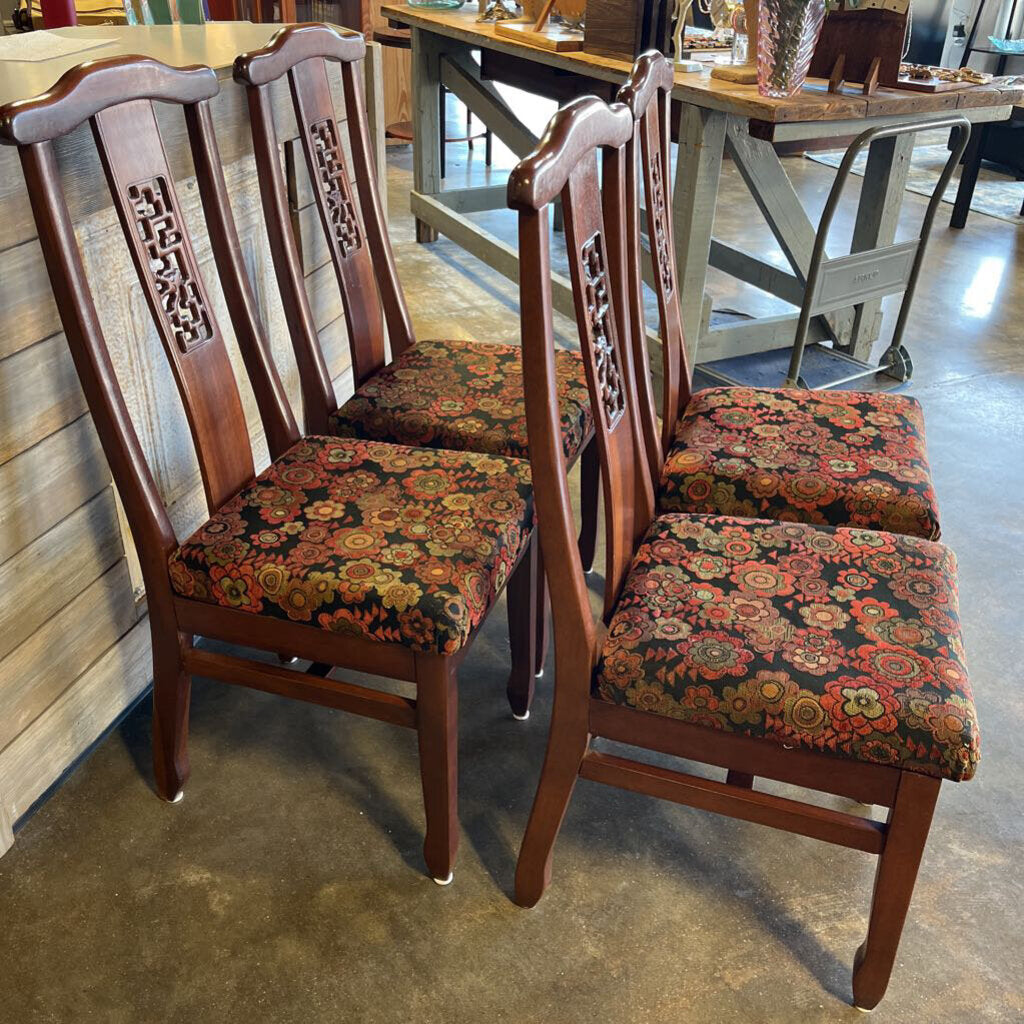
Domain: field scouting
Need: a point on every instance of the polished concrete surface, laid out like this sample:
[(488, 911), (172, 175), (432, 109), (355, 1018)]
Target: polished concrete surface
[(288, 885)]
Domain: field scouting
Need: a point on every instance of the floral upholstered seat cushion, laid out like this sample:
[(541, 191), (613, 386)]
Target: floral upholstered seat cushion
[(464, 395), (841, 458), (840, 640), (384, 542)]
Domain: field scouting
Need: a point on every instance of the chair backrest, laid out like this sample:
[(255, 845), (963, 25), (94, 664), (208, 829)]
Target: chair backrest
[(116, 97), (352, 219), (648, 94), (566, 163)]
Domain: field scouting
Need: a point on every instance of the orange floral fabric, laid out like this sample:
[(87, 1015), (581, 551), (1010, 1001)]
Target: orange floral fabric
[(838, 458), (463, 395), (400, 545), (843, 641)]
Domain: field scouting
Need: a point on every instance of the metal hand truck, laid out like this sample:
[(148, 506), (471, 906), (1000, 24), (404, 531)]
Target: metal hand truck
[(859, 277)]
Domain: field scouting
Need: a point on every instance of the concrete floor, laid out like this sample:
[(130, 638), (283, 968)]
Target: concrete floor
[(288, 885)]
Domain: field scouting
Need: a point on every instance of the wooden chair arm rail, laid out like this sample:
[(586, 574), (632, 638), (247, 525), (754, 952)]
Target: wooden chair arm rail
[(293, 45), (651, 72), (580, 126), (85, 90)]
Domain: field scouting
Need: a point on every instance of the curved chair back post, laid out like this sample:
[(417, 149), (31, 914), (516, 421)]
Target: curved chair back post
[(318, 398), (648, 94), (271, 398), (577, 643), (565, 163), (352, 219), (115, 96), (151, 526)]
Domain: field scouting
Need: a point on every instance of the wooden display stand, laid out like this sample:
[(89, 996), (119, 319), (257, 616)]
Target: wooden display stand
[(863, 46), (931, 84), (539, 33)]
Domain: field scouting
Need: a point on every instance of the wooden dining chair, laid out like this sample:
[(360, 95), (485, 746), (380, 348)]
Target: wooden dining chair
[(829, 658), (462, 395), (842, 458), (368, 556)]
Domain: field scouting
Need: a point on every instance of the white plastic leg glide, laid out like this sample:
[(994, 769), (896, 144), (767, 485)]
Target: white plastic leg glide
[(445, 881), (521, 718), (179, 797), (860, 1009), (539, 674)]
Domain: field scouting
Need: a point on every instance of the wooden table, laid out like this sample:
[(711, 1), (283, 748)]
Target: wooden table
[(74, 640), (716, 117)]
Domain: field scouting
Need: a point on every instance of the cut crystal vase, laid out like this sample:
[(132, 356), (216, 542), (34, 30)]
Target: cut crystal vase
[(786, 40)]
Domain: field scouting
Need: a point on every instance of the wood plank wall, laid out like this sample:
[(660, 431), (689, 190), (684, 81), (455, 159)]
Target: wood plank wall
[(74, 637)]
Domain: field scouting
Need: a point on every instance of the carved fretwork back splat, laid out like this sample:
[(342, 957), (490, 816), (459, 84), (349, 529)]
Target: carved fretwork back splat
[(334, 182), (606, 359), (171, 263), (659, 229), (340, 216), (676, 373), (145, 198), (595, 234)]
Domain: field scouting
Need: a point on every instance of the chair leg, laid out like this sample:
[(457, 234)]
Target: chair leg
[(742, 779), (521, 597), (909, 820), (488, 147), (171, 690), (543, 606), (566, 747), (590, 482), (437, 728)]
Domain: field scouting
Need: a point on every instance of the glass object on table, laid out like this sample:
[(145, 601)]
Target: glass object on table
[(740, 40), (787, 35), (721, 13), (438, 5)]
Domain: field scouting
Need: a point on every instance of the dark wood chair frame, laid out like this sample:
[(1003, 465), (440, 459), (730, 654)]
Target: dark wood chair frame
[(565, 164), (648, 95), (366, 273), (116, 97)]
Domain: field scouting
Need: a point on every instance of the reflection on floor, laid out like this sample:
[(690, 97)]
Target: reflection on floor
[(288, 884)]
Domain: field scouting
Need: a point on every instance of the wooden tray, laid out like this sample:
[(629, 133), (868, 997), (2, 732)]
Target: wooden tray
[(551, 37), (930, 84)]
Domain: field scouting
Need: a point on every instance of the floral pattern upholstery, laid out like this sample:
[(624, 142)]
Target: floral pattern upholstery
[(384, 542), (839, 458), (463, 395), (838, 640)]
